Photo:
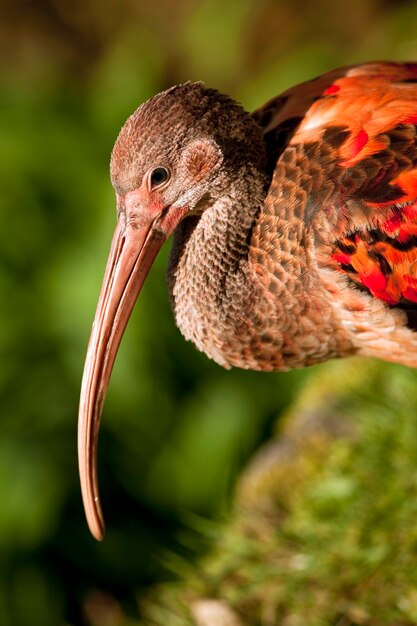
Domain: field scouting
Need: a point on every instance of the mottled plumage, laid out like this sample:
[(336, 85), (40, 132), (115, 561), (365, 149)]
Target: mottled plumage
[(295, 228)]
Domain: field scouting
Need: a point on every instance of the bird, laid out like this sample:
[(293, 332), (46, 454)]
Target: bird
[(294, 229)]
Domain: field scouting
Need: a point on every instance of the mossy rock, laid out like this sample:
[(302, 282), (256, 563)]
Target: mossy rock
[(324, 527)]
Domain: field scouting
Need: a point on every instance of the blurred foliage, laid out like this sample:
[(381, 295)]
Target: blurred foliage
[(177, 429)]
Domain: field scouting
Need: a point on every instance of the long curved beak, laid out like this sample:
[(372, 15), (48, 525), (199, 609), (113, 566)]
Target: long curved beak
[(133, 250)]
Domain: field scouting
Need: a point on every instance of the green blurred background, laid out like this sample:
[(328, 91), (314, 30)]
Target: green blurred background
[(177, 429)]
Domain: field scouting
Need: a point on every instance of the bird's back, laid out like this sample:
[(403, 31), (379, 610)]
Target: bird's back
[(342, 149)]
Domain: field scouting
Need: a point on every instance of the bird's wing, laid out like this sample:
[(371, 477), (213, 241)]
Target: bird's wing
[(367, 115)]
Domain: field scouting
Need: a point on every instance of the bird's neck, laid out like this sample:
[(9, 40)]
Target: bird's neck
[(208, 272), (244, 283)]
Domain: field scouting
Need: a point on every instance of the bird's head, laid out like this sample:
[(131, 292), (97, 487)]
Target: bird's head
[(175, 156), (179, 148)]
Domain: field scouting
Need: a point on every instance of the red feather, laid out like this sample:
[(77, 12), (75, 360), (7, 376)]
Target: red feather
[(373, 109)]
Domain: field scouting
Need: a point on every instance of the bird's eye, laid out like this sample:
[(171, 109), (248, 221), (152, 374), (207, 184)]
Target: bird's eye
[(159, 176)]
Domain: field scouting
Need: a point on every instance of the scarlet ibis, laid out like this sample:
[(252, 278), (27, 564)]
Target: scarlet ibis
[(295, 229)]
